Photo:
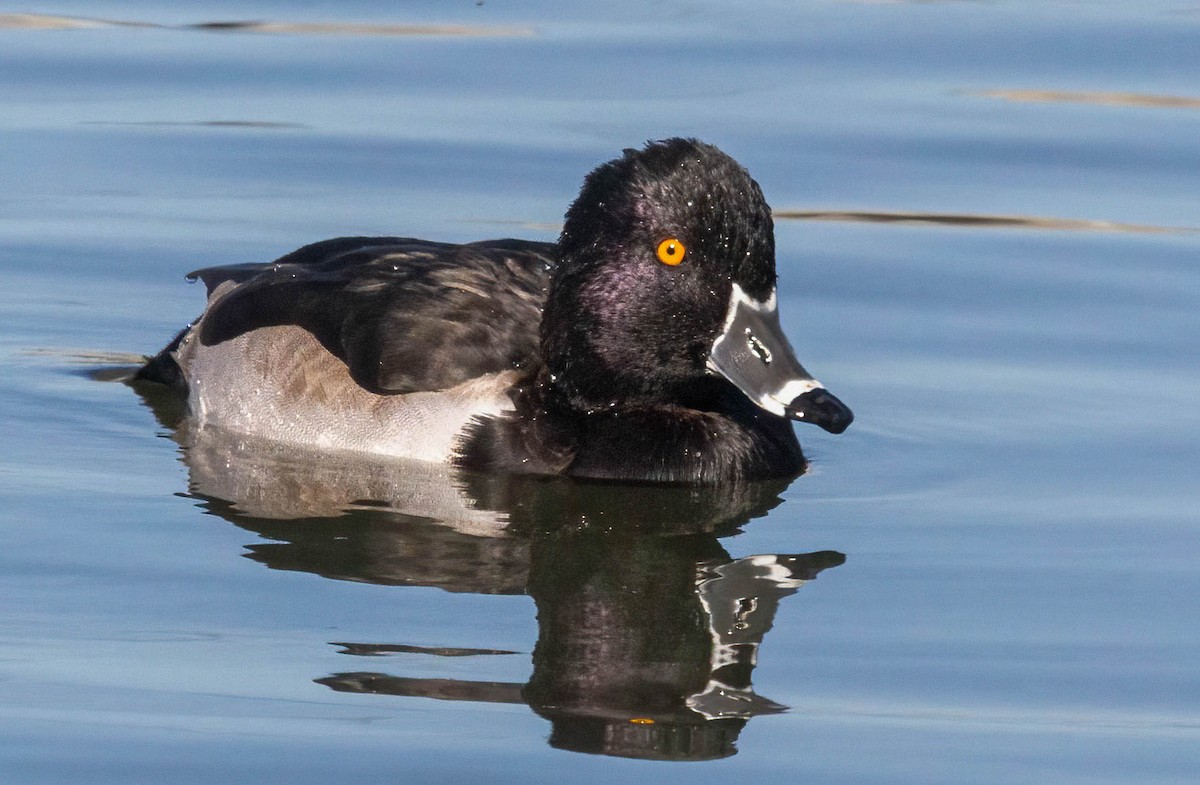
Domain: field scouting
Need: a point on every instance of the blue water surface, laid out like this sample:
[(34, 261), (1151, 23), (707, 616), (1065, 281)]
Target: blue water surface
[(987, 228)]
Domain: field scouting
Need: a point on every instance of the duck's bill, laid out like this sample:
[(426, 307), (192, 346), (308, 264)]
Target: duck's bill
[(754, 354)]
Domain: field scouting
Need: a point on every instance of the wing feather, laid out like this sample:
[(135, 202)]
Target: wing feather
[(404, 315)]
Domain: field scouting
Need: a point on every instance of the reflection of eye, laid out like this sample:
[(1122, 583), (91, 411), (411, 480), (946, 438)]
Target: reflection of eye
[(671, 251)]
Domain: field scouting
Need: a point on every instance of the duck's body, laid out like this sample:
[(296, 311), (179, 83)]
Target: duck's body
[(590, 357), (379, 344)]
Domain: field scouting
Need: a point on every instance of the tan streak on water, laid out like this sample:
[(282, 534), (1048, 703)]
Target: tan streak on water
[(1094, 97), (50, 22), (979, 221)]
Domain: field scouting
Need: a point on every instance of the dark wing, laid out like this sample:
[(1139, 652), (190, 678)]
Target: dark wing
[(404, 315)]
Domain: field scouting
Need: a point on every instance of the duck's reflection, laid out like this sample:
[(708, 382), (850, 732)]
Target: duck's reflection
[(648, 629), (645, 647)]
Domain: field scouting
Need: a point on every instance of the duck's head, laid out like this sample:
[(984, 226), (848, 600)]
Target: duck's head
[(666, 278)]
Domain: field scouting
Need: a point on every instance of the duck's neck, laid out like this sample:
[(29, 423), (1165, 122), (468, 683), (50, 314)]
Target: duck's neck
[(608, 392)]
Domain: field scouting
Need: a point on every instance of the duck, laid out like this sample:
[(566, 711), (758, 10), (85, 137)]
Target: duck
[(644, 345)]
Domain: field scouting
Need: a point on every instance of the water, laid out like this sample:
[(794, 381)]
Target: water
[(1015, 503)]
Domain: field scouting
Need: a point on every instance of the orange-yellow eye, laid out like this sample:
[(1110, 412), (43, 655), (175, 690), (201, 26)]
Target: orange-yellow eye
[(671, 251)]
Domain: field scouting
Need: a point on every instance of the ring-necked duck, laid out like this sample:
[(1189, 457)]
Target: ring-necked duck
[(644, 345)]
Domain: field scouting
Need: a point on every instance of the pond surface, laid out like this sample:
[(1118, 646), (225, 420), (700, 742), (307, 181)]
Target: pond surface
[(989, 247)]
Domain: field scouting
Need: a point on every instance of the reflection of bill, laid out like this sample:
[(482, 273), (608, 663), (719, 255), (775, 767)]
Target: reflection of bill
[(740, 598), (648, 629)]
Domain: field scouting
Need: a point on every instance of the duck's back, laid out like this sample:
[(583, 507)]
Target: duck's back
[(381, 344)]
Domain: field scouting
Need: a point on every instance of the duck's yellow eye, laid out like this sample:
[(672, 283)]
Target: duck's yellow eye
[(671, 251)]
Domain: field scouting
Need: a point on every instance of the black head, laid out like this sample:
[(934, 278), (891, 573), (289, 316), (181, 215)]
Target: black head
[(619, 321), (658, 252)]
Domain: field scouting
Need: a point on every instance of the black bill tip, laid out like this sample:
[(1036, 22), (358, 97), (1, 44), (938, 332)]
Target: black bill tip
[(822, 408)]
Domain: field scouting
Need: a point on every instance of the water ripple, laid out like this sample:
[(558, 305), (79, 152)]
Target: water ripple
[(50, 22), (1103, 98), (980, 221)]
